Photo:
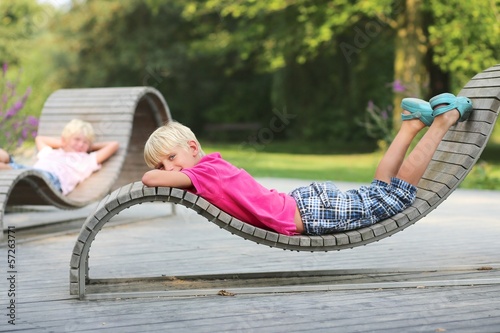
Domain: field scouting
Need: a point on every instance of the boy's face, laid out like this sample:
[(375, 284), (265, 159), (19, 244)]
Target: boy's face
[(78, 143), (180, 158)]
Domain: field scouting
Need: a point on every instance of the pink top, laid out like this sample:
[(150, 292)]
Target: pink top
[(70, 167), (237, 193)]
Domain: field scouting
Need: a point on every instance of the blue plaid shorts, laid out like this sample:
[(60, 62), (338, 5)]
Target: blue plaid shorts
[(325, 209)]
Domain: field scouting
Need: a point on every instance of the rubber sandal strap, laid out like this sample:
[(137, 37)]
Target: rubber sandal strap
[(410, 116), (444, 98), (447, 100), (444, 108)]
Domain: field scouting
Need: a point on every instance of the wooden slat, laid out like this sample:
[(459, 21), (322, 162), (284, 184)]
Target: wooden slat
[(490, 81)]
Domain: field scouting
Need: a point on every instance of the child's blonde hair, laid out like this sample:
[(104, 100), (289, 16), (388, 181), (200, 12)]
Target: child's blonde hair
[(164, 139), (76, 127)]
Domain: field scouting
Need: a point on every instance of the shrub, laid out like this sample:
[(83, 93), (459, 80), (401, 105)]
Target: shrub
[(14, 126)]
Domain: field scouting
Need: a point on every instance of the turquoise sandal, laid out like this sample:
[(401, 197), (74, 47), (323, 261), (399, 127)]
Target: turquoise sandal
[(419, 109), (450, 102)]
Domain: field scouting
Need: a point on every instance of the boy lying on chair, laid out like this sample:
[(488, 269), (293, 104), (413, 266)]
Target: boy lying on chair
[(320, 208), (68, 160)]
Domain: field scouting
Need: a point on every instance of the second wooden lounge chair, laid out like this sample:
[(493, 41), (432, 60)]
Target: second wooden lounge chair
[(126, 115)]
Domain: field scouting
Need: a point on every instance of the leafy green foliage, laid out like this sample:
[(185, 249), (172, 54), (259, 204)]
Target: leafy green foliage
[(378, 124), (20, 21), (465, 36), (221, 61), (483, 177)]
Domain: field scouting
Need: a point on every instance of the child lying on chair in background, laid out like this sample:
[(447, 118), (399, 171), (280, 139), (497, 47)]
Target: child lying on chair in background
[(320, 208), (67, 160)]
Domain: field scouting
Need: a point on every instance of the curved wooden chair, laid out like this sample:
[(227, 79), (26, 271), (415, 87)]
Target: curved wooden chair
[(457, 153), (126, 115)]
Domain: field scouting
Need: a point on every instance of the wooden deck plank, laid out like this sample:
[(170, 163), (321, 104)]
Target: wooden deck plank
[(290, 313)]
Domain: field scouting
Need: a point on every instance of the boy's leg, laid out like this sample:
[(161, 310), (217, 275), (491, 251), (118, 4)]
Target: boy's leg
[(413, 168), (393, 159)]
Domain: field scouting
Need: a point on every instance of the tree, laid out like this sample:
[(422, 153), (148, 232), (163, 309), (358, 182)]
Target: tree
[(300, 43), (431, 41), (23, 25), (439, 50), (465, 40), (21, 21), (237, 61)]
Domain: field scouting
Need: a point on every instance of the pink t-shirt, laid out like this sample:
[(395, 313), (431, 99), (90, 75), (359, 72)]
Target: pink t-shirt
[(237, 193), (70, 167)]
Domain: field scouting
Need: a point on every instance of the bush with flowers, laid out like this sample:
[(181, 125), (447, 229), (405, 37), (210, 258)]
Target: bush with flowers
[(378, 122), (15, 127)]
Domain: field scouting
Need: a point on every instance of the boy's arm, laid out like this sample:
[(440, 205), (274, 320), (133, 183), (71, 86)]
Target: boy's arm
[(48, 141), (104, 150), (154, 178)]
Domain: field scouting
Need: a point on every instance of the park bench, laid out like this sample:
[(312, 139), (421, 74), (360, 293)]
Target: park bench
[(126, 115), (457, 153)]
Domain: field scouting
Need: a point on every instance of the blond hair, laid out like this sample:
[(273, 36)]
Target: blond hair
[(76, 127), (171, 135)]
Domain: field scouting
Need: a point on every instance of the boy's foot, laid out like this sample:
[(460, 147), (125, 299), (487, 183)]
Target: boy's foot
[(417, 109), (445, 102), (4, 156)]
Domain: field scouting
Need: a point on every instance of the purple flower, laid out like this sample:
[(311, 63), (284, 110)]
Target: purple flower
[(370, 105), (397, 86), (32, 121), (14, 127), (26, 94), (10, 113), (14, 109)]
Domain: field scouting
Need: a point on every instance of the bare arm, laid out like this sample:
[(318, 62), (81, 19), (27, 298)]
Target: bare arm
[(156, 178), (48, 141), (104, 150)]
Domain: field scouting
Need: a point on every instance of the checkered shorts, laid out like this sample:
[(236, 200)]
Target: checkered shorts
[(325, 209)]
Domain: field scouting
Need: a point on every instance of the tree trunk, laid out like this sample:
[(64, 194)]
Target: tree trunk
[(439, 80), (410, 49)]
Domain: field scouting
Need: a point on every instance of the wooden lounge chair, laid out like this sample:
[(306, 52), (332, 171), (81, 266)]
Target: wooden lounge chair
[(458, 152), (126, 115)]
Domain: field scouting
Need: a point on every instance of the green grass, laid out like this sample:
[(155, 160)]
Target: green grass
[(356, 167), (486, 173)]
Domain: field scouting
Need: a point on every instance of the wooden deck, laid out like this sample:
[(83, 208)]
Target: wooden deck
[(440, 275)]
